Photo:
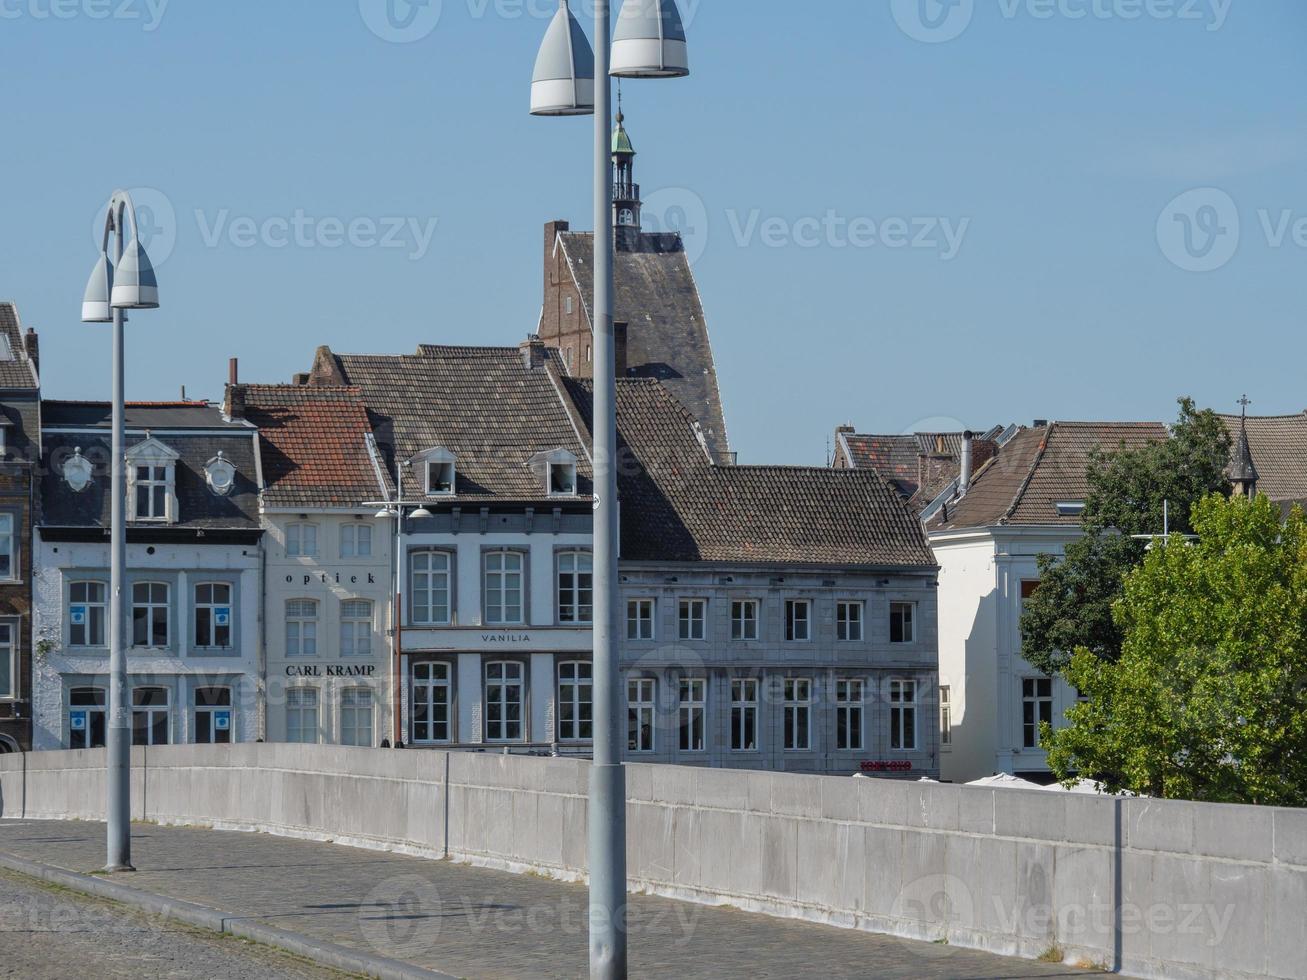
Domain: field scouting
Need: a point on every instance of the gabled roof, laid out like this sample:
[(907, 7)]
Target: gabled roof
[(314, 444), (484, 404), (667, 333), (16, 370), (921, 464), (1038, 469), (678, 506), (1278, 447)]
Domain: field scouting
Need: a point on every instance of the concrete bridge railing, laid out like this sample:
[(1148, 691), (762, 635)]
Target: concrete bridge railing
[(1155, 889)]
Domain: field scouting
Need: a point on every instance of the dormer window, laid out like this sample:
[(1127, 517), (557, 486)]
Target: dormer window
[(441, 472), (562, 479), (78, 471), (151, 493), (152, 482), (220, 474)]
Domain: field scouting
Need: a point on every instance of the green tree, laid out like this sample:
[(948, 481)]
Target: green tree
[(1129, 490), (1206, 700)]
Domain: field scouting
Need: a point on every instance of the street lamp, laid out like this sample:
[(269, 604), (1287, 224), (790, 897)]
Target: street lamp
[(571, 80), (128, 283)]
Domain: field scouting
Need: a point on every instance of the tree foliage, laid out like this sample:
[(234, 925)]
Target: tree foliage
[(1206, 701), (1129, 491)]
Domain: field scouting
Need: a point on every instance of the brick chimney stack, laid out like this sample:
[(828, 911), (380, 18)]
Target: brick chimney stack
[(233, 402), (32, 345), (534, 352)]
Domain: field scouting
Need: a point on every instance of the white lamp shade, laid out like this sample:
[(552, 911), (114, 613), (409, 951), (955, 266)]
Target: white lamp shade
[(564, 80), (650, 41), (95, 304), (134, 284)]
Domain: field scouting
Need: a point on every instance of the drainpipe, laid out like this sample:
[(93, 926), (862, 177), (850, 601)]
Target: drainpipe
[(964, 481)]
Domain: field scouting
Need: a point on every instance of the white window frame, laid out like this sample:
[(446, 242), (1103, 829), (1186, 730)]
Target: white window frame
[(213, 605), (562, 479), (358, 717), (744, 714), (210, 712), (850, 697), (301, 628), (692, 613), (100, 605), (575, 701), (151, 605), (424, 574), (1032, 708), (303, 704), (302, 539), (575, 588), (98, 706), (9, 542), (692, 715), (796, 700), (903, 714), (744, 619), (500, 613), (355, 540), (430, 677), (793, 621), (945, 717), (513, 677), (151, 714), (356, 618), (850, 615), (9, 655), (641, 714), (441, 477), (159, 477), (907, 625), (640, 618)]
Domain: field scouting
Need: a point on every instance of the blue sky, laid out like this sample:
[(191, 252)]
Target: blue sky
[(1071, 209)]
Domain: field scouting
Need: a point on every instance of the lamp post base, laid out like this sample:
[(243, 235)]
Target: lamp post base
[(114, 869)]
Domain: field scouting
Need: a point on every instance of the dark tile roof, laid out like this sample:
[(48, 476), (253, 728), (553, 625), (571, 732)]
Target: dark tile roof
[(678, 506), (16, 371), (1278, 445), (199, 507), (314, 444), (481, 403), (667, 334), (1036, 470), (922, 464), (145, 415)]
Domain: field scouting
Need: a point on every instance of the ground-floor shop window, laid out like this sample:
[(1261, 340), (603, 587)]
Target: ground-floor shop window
[(798, 713), (575, 702), (151, 716), (848, 715), (744, 715), (87, 717), (505, 688), (431, 703), (640, 711), (356, 716), (693, 708), (213, 715), (903, 715)]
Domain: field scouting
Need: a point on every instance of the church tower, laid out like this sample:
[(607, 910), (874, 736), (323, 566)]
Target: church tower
[(626, 192), (1242, 472)]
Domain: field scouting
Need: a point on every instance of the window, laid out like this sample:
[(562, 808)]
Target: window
[(213, 615), (849, 700), (694, 696), (640, 707), (431, 579), (568, 305), (693, 619), (8, 662), (562, 479), (503, 591), (1071, 508), (213, 715), (8, 555), (431, 703), (640, 619), (1028, 588), (302, 540), (797, 709), (150, 615), (87, 717), (504, 689), (848, 622), (1036, 708), (150, 716), (798, 620), (945, 715), (744, 715), (356, 630), (151, 491), (440, 478), (87, 614), (301, 628), (302, 715), (902, 715), (744, 620), (575, 587), (902, 626), (356, 541), (575, 702), (356, 716)]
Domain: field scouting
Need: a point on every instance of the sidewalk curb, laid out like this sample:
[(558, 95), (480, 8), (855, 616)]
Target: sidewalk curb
[(203, 917)]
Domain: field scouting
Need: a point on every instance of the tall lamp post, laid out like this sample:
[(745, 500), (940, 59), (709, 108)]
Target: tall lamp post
[(571, 79), (128, 283)]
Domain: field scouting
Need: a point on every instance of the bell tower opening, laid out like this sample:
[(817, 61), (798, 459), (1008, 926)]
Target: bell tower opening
[(626, 192)]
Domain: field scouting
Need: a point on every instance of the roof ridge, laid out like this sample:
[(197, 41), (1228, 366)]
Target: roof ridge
[(1030, 474)]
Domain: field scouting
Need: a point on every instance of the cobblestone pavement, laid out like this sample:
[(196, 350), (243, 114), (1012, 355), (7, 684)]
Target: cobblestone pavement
[(55, 934), (471, 922)]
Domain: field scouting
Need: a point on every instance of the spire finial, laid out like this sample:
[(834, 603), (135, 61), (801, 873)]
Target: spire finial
[(1245, 402), (621, 118)]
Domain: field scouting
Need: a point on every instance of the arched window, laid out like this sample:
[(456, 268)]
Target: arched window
[(429, 604), (301, 628), (151, 716), (87, 717)]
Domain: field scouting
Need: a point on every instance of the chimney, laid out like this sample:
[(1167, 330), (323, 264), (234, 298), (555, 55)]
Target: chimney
[(233, 405), (33, 347), (534, 352), (300, 380), (233, 372), (845, 430), (964, 481), (619, 348)]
